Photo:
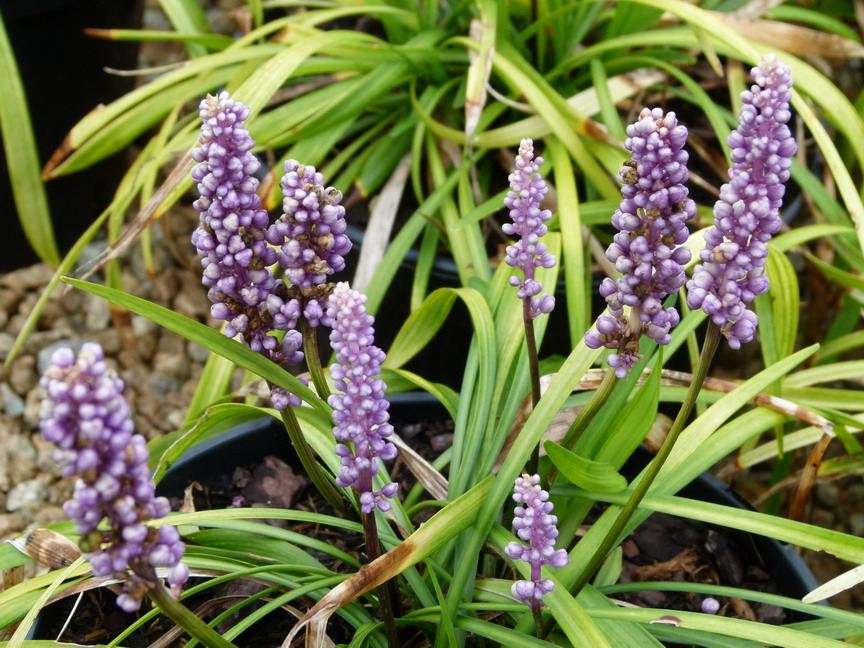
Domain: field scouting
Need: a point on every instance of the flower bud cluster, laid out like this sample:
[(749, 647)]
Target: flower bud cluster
[(528, 253), (231, 237), (87, 417), (360, 412), (652, 223), (310, 236), (534, 524), (732, 272)]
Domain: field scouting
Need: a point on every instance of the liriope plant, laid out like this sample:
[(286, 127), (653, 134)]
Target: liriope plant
[(439, 579)]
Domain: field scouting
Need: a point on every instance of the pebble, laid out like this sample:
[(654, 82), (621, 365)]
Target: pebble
[(5, 426), (6, 342), (13, 404), (22, 374), (856, 524), (143, 327), (26, 279), (11, 524), (828, 494), (48, 515), (31, 491), (20, 448), (45, 456), (174, 365), (33, 405), (162, 384), (98, 315), (197, 353)]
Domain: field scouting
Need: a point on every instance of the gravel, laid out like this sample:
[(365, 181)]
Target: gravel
[(160, 369)]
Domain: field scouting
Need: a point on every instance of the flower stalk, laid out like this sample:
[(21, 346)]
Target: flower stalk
[(310, 464), (527, 191), (712, 339), (186, 619)]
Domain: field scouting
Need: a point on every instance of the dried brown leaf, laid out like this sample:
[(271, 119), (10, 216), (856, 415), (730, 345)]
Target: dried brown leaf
[(658, 432), (188, 505), (807, 479), (48, 548), (742, 609), (794, 39), (686, 562), (433, 481), (381, 219)]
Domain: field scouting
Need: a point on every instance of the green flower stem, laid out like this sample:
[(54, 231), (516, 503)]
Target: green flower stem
[(387, 592), (712, 339), (534, 370), (580, 424), (538, 622), (185, 618), (313, 359), (313, 468), (598, 400)]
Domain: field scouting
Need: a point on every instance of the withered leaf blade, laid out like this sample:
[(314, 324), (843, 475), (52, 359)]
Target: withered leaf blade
[(433, 481), (48, 548), (444, 525), (793, 38), (188, 505)]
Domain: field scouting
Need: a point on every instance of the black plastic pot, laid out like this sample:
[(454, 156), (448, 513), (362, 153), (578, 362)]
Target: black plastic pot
[(780, 560), (212, 463)]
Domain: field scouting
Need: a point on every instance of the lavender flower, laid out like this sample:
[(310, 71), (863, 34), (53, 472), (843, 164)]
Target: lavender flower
[(231, 239), (651, 220), (360, 412), (310, 235), (534, 524), (710, 605), (528, 189), (732, 272), (87, 418)]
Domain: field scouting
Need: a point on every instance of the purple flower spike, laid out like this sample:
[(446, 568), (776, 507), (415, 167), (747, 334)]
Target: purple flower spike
[(535, 525), (652, 223), (360, 412), (528, 189), (231, 239), (732, 272), (310, 235), (87, 417)]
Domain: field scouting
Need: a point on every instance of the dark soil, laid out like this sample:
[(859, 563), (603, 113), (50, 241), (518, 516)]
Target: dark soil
[(666, 548)]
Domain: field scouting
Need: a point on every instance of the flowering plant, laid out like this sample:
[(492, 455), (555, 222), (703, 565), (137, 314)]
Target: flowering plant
[(479, 569)]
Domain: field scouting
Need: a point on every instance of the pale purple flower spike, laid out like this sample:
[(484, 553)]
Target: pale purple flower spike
[(231, 240), (535, 525), (360, 412), (732, 272), (87, 417), (652, 223), (528, 253), (310, 236)]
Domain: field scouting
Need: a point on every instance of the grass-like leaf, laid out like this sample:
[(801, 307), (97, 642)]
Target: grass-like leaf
[(721, 626), (22, 158), (188, 17), (585, 473), (208, 338), (842, 545)]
